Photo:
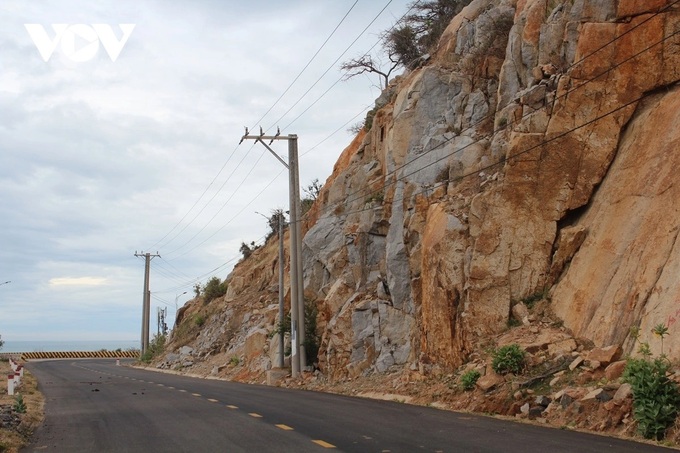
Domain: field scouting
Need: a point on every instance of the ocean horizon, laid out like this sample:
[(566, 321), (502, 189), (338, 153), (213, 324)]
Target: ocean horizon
[(54, 346)]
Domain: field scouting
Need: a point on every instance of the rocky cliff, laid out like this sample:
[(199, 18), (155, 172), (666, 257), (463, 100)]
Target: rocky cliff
[(532, 157)]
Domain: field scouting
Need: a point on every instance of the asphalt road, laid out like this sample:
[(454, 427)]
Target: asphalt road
[(96, 406)]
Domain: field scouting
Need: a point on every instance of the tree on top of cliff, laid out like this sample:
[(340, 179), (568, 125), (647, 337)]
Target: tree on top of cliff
[(423, 28), (405, 44), (312, 192)]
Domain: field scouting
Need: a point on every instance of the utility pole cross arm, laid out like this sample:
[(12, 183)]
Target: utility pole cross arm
[(297, 301)]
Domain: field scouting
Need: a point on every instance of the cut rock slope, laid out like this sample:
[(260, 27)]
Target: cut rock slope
[(532, 157)]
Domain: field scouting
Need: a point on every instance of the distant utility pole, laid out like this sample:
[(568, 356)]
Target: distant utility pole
[(146, 299), (297, 297)]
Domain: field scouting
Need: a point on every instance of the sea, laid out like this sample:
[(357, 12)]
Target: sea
[(49, 346)]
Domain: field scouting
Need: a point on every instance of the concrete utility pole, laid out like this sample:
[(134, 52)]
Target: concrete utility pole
[(146, 300), (281, 336), (297, 298)]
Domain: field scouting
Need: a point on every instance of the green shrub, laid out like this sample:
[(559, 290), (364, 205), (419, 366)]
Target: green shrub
[(234, 361), (368, 122), (509, 359), (156, 347), (199, 320), (312, 338), (655, 396), (214, 289), (469, 379), (19, 405)]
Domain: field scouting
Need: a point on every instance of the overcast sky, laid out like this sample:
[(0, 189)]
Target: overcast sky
[(103, 156)]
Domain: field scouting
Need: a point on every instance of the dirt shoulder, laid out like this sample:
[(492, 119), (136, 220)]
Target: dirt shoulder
[(16, 427)]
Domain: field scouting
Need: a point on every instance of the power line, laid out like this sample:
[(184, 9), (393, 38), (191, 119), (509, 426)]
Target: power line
[(335, 131), (178, 271), (509, 158), (234, 150), (276, 102), (162, 301), (195, 203), (258, 121), (246, 206), (332, 64), (220, 210), (342, 77), (259, 242), (191, 281), (306, 66), (581, 60), (363, 192), (210, 201)]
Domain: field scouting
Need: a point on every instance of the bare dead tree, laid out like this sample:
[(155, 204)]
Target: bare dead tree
[(367, 65), (408, 41)]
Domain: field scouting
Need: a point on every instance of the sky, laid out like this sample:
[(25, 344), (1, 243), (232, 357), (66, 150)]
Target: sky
[(126, 140)]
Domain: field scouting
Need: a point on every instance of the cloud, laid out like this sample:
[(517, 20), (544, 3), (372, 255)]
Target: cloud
[(78, 281), (102, 158)]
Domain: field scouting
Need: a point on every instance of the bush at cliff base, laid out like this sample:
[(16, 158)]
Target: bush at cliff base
[(655, 396)]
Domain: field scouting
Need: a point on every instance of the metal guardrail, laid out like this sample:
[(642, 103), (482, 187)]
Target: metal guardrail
[(72, 355)]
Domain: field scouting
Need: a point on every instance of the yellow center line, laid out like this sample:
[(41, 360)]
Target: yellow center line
[(171, 387), (196, 394), (183, 391), (231, 406), (160, 385), (284, 427), (212, 400), (324, 444), (253, 414)]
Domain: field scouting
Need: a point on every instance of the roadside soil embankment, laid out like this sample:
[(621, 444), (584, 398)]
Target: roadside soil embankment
[(16, 427)]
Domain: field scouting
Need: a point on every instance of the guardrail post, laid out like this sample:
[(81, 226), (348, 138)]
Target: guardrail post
[(10, 384)]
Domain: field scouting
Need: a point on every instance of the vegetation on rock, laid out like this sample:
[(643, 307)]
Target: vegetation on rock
[(213, 289), (405, 44), (655, 396), (469, 379), (156, 347), (509, 359)]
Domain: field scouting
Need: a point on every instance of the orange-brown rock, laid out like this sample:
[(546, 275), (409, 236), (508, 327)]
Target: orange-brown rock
[(604, 356), (615, 370), (533, 155)]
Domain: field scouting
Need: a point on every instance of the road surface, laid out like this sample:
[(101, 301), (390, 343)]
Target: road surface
[(96, 406)]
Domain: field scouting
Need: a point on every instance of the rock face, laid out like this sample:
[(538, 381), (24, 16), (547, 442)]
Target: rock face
[(625, 273), (532, 156)]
